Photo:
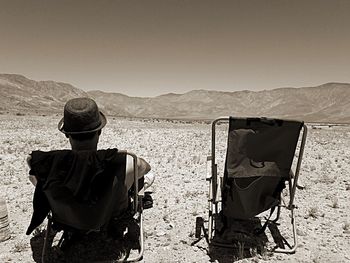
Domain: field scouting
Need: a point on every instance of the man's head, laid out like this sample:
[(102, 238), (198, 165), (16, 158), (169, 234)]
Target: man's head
[(82, 121)]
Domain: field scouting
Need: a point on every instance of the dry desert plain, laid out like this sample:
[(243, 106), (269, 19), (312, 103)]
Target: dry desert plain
[(177, 152)]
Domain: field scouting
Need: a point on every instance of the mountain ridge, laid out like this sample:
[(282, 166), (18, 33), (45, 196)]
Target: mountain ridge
[(327, 102)]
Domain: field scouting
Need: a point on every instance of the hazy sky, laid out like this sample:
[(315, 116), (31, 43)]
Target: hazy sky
[(147, 48)]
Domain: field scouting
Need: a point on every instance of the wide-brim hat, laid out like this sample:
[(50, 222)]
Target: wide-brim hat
[(81, 115)]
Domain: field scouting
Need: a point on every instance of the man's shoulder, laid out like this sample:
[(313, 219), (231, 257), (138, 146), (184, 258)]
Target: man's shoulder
[(112, 155), (108, 151)]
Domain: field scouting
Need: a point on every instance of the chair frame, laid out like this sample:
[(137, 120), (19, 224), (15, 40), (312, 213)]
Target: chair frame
[(136, 209), (215, 186)]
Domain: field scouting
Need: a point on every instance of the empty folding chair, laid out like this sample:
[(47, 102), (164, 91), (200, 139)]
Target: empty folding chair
[(258, 167)]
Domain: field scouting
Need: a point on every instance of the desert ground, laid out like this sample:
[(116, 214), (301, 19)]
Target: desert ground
[(177, 152)]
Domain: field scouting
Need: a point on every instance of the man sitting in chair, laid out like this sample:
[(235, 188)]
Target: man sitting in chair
[(84, 174)]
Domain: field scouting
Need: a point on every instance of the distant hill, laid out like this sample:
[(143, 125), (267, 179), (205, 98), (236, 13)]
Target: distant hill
[(22, 95), (326, 103)]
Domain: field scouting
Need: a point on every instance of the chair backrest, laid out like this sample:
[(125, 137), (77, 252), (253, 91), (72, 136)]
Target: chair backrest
[(85, 189), (259, 157)]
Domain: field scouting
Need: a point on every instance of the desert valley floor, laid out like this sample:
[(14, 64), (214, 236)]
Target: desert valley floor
[(177, 152)]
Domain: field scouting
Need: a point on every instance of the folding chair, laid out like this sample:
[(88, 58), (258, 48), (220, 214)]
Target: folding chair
[(76, 217), (259, 160)]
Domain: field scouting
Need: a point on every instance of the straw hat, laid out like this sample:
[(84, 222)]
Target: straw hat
[(81, 115)]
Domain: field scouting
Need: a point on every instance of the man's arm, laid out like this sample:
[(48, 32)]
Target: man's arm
[(143, 168)]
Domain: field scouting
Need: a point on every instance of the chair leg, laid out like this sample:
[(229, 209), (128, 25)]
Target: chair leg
[(278, 214), (292, 248), (46, 238), (139, 218)]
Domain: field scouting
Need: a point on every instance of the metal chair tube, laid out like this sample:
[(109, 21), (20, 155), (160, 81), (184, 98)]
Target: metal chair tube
[(297, 170)]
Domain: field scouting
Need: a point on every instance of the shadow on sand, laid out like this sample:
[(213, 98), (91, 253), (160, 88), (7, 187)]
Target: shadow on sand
[(241, 240), (92, 247)]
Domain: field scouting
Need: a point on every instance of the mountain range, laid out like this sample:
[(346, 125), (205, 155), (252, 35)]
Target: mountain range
[(329, 102)]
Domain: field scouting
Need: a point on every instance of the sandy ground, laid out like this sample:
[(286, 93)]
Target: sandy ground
[(177, 153)]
